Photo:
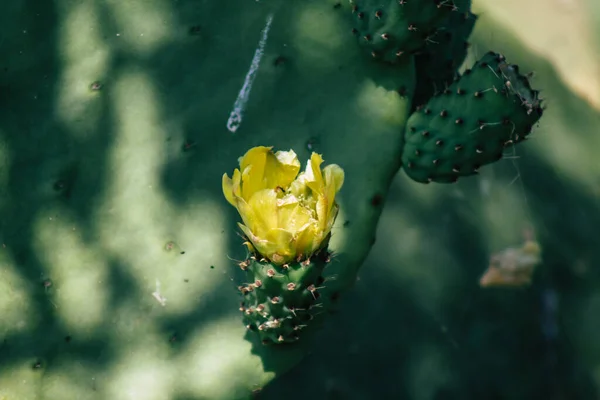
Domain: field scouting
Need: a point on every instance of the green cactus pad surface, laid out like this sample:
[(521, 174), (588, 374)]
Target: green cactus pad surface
[(470, 123), (116, 244), (394, 29), (280, 301), (438, 64)]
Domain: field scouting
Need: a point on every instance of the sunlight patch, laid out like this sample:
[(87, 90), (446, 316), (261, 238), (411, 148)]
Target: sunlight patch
[(77, 270), (19, 382), (85, 59), (69, 380), (379, 104), (144, 25), (217, 360), (318, 37), (168, 249), (18, 313), (339, 236), (141, 373)]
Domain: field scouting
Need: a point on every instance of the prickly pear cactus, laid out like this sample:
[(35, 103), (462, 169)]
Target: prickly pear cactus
[(470, 124), (437, 64), (119, 120), (280, 301), (288, 219), (393, 29)]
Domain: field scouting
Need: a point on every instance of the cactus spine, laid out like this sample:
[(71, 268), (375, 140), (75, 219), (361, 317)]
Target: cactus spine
[(280, 300)]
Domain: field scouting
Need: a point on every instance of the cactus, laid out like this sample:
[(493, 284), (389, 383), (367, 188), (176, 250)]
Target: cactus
[(395, 29), (288, 220), (458, 130), (116, 244), (437, 65), (471, 122)]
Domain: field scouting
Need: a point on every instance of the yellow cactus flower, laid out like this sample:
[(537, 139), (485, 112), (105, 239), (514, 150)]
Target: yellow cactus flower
[(287, 216)]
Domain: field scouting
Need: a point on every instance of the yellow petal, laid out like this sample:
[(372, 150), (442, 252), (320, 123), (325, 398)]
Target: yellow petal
[(314, 177), (335, 175), (298, 187), (228, 189), (281, 169), (322, 211), (253, 169), (306, 239), (292, 216), (264, 205), (263, 169), (253, 155), (280, 242), (236, 183), (334, 179), (250, 218), (257, 243)]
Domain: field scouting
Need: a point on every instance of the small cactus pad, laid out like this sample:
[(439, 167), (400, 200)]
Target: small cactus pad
[(438, 64), (394, 28), (279, 301), (470, 123)]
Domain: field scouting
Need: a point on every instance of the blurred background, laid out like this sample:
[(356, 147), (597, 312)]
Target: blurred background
[(418, 325)]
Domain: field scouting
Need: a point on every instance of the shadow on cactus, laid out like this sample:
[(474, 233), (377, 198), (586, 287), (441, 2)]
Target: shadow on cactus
[(288, 219)]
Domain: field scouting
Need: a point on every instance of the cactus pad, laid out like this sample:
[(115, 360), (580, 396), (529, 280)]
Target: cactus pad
[(469, 125), (280, 301), (396, 28)]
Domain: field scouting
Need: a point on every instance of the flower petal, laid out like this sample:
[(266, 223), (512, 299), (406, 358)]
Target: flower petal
[(236, 183), (307, 240), (258, 243), (322, 210), (292, 215), (298, 187), (227, 184), (263, 169), (251, 219), (281, 169), (335, 175), (281, 241), (314, 177), (252, 166), (264, 206)]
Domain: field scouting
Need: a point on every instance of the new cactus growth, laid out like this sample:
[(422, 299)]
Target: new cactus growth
[(394, 29), (287, 222), (468, 125)]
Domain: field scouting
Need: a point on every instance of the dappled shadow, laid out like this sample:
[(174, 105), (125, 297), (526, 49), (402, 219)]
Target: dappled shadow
[(69, 297), (52, 174), (416, 325)]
